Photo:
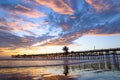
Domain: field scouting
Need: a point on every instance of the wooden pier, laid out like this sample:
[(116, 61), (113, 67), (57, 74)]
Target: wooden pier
[(82, 55)]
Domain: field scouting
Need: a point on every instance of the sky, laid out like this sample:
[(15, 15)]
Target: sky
[(45, 26)]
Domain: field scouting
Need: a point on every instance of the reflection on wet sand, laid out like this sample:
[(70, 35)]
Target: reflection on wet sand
[(66, 67)]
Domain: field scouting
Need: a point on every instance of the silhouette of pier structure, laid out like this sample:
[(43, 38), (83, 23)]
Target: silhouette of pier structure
[(80, 55)]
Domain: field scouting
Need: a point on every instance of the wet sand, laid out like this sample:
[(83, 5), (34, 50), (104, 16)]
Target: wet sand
[(58, 77), (55, 77)]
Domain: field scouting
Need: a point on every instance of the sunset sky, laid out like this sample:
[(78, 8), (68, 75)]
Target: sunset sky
[(45, 26)]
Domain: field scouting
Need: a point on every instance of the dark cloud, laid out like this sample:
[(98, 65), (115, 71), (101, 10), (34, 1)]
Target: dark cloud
[(4, 28), (10, 40)]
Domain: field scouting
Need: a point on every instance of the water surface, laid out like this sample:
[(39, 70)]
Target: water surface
[(81, 70)]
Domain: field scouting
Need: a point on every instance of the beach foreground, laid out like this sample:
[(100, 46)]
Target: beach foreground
[(59, 77), (108, 69)]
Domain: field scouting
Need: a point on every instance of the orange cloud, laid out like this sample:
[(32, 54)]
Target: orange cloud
[(32, 14), (99, 4), (22, 7), (25, 11), (21, 25), (64, 40), (57, 5)]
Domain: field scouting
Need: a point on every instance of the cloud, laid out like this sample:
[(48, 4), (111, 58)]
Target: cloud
[(64, 27), (2, 22), (69, 38), (3, 26), (65, 40), (20, 25), (30, 13), (23, 8), (61, 40), (20, 9), (100, 5), (9, 40), (104, 5), (57, 5), (24, 25)]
